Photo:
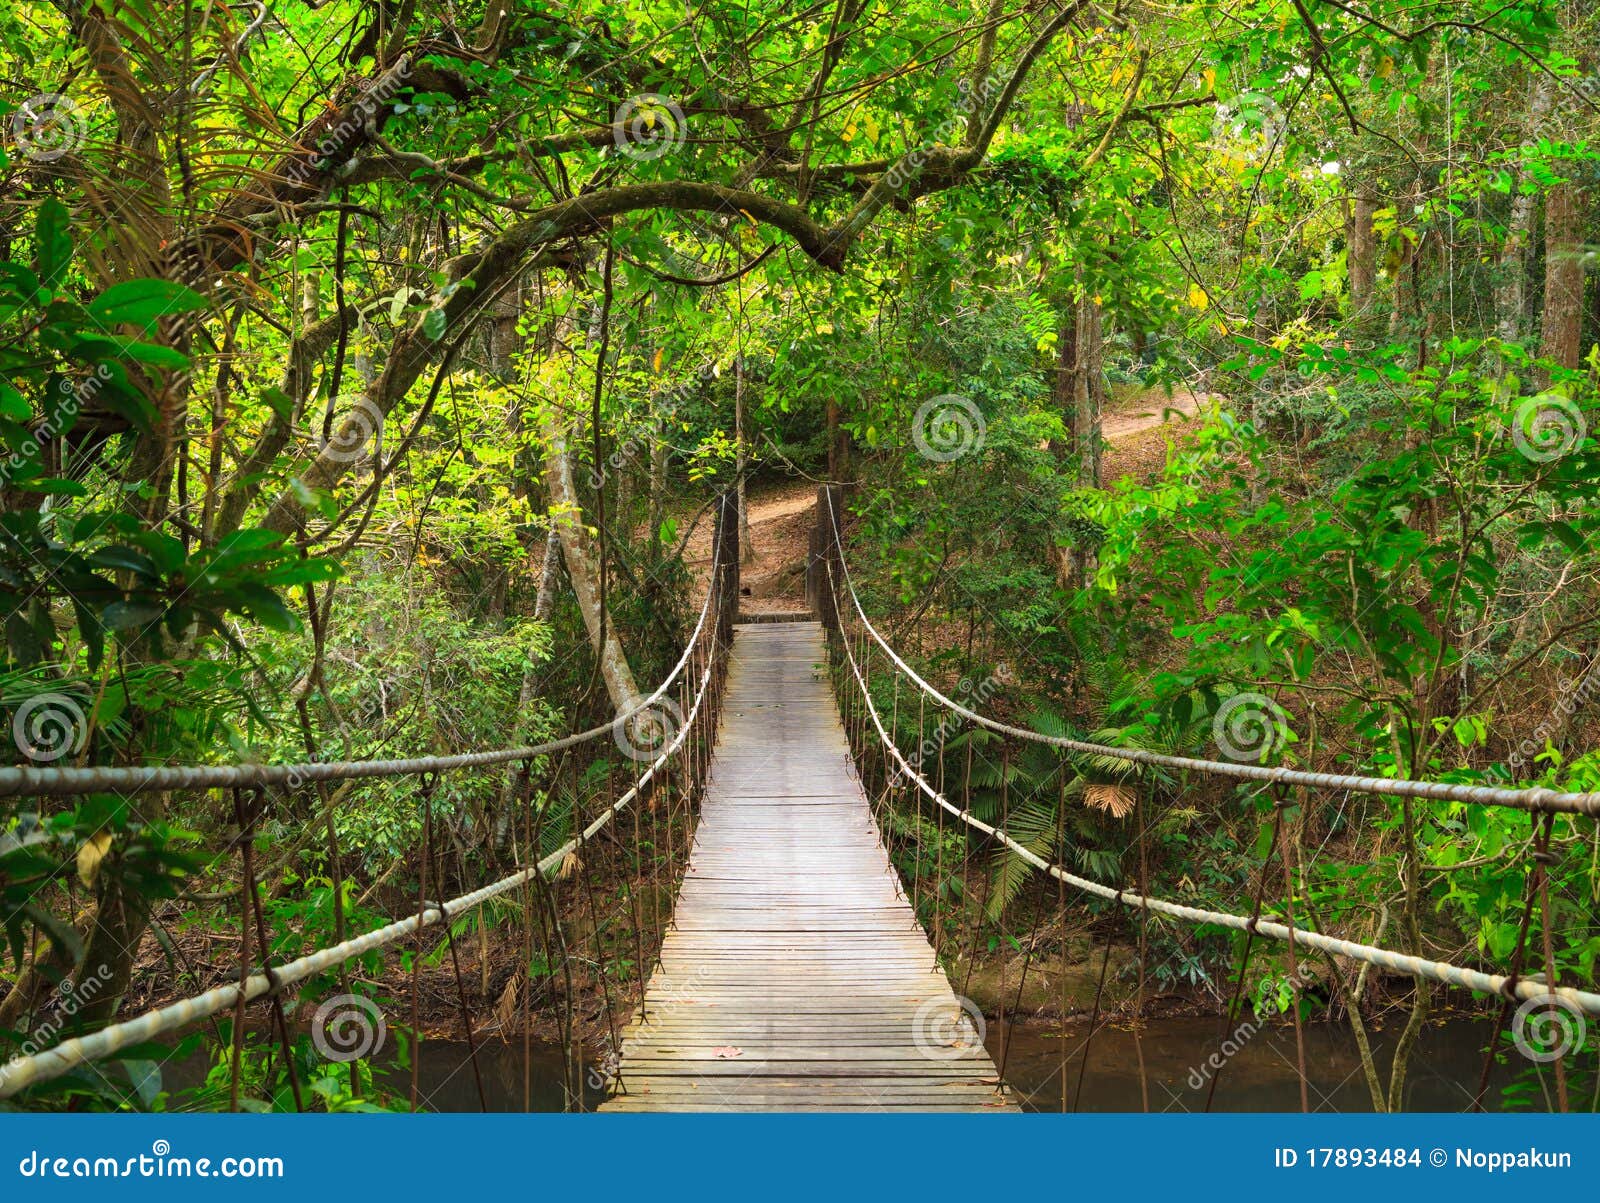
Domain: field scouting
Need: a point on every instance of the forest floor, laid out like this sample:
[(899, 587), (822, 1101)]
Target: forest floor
[(1139, 428), (773, 577)]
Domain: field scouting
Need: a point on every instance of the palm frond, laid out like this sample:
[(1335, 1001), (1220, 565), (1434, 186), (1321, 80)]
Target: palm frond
[(1115, 799)]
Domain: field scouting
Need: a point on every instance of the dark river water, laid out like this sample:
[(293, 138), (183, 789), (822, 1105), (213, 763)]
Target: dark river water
[(1258, 1075)]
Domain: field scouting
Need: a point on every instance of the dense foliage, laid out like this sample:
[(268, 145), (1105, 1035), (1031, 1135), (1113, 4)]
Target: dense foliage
[(337, 340)]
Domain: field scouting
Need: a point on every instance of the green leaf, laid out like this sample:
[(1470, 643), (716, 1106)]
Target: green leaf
[(54, 485), (120, 616), (143, 302), (127, 559), (54, 243), (155, 355), (267, 608), (279, 402), (61, 933), (13, 405), (1568, 536), (145, 1077)]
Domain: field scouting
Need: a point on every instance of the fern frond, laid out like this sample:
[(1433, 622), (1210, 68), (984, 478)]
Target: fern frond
[(1010, 875)]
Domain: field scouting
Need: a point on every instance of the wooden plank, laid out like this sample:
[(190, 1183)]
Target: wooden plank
[(795, 976)]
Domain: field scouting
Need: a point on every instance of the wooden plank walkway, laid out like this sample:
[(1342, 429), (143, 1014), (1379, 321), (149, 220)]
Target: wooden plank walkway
[(795, 977)]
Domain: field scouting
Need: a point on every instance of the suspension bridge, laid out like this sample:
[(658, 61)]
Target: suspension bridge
[(795, 974)]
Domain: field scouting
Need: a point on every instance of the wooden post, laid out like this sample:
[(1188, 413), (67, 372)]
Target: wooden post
[(830, 513), (816, 579), (726, 535)]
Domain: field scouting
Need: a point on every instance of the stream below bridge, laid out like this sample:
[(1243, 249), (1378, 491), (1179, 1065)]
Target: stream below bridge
[(1259, 1075)]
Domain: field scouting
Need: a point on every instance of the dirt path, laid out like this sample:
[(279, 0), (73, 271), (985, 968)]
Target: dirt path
[(1139, 429), (781, 515), (774, 578), (1151, 409)]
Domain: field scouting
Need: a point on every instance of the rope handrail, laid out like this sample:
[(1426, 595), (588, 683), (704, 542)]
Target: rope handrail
[(59, 780), (1505, 985), (21, 1072), (1537, 799)]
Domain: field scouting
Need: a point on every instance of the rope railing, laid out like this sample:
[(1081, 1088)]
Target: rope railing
[(1536, 799), (58, 780), (270, 981), (22, 1072), (1505, 985)]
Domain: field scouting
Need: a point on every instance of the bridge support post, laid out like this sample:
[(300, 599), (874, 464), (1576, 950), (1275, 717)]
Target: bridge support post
[(726, 536), (825, 541), (816, 578)]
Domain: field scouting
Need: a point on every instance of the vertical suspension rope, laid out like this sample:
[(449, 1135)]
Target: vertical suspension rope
[(915, 795), (675, 798), (1016, 1003), (455, 966), (555, 946), (1094, 1017), (1285, 860), (656, 797), (336, 870), (1509, 1000), (1231, 1016), (939, 885), (890, 814), (1021, 986), (466, 1014), (600, 968), (1543, 859), (275, 998), (571, 1064), (429, 781), (1000, 915), (245, 873), (1061, 909), (1144, 947), (633, 904), (530, 856), (579, 822), (966, 867)]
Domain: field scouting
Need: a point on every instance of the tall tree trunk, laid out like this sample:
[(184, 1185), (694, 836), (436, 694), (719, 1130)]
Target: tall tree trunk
[(1361, 252), (838, 447), (544, 601), (1509, 300), (1063, 388), (1079, 391), (582, 569), (1089, 389), (741, 461), (1561, 326), (1408, 241), (544, 604), (658, 476)]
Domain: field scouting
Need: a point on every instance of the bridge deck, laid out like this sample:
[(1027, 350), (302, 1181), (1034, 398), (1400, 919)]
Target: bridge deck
[(796, 977)]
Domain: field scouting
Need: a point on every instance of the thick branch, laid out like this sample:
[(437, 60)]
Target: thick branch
[(931, 167), (296, 385)]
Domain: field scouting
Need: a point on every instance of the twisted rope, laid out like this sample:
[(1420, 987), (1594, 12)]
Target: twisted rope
[(1536, 800), (1505, 985), (129, 779), (22, 1072)]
